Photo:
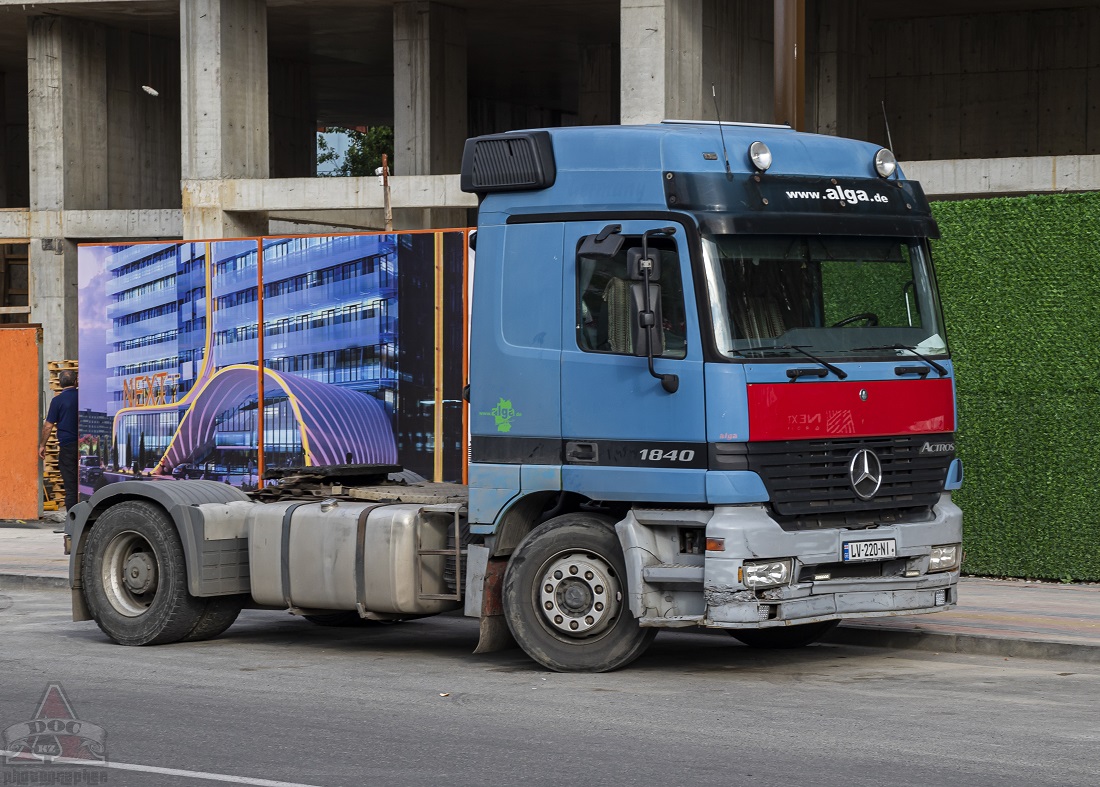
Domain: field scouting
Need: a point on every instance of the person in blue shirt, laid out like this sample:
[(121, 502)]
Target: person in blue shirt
[(63, 415)]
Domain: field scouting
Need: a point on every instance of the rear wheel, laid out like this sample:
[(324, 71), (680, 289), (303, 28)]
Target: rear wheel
[(220, 614), (135, 577), (783, 637), (565, 597)]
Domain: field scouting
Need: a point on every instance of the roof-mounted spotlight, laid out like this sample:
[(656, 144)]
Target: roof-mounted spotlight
[(760, 156), (885, 163)]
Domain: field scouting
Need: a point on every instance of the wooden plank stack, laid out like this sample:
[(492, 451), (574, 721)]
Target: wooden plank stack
[(53, 489)]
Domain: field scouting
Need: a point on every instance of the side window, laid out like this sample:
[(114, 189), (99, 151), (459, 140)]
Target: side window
[(603, 302)]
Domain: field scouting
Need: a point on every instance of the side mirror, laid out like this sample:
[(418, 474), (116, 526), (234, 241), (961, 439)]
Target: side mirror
[(604, 244), (641, 320)]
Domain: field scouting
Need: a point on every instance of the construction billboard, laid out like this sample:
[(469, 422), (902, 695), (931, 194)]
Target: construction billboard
[(221, 359)]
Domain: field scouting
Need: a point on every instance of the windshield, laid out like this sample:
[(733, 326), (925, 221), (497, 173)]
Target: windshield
[(829, 295)]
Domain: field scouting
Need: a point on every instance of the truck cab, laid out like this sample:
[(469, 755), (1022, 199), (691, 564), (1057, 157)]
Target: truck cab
[(716, 350)]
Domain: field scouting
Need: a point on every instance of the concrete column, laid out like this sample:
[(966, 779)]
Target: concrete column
[(429, 87), (599, 86), (430, 103), (839, 70), (224, 110), (52, 272), (661, 57), (790, 63), (67, 130), (737, 60), (67, 101)]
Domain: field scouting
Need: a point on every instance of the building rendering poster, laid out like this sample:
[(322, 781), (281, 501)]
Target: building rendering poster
[(360, 360)]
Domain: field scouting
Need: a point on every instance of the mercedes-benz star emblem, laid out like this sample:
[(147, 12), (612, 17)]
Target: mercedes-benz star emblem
[(865, 473)]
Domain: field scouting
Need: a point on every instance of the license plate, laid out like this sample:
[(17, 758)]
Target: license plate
[(869, 550)]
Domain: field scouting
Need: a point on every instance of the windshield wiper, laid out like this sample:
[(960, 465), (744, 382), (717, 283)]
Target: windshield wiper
[(840, 373), (798, 348), (941, 370)]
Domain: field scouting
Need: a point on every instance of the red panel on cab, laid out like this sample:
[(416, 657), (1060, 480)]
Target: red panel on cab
[(803, 411)]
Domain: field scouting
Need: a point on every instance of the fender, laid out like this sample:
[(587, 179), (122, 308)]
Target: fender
[(179, 499)]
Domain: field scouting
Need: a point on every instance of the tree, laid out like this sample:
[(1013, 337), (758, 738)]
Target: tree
[(364, 154)]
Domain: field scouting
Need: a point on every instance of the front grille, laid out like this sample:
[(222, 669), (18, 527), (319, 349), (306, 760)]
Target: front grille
[(809, 478)]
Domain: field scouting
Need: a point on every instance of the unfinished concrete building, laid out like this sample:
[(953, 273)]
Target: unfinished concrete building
[(142, 119)]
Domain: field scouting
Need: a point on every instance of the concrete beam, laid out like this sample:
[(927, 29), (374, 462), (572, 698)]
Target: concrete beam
[(122, 224), (311, 222), (313, 194), (956, 178), (15, 224), (661, 60), (18, 224)]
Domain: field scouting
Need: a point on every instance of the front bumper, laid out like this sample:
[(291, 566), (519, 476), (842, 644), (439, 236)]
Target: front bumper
[(750, 534)]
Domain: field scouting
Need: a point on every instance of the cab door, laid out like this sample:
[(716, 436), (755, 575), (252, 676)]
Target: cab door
[(624, 436)]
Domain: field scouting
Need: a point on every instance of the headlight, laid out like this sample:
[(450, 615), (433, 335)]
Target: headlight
[(885, 163), (760, 156), (944, 558), (766, 574)]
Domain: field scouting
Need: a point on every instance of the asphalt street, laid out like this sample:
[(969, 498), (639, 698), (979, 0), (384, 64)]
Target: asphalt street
[(281, 700)]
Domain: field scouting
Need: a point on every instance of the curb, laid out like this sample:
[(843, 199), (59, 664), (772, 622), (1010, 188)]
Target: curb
[(971, 644), (32, 582)]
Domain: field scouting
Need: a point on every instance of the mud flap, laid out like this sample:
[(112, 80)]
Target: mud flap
[(494, 629)]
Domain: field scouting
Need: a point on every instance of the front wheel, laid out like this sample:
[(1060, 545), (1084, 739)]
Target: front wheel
[(135, 577), (565, 597), (784, 637)]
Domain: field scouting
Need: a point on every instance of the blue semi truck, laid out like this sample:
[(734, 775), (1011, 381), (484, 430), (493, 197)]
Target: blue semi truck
[(709, 386)]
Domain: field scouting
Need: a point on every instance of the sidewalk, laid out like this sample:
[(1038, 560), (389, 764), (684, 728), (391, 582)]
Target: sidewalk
[(994, 617)]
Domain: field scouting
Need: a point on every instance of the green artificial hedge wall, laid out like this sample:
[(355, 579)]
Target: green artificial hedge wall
[(1020, 283)]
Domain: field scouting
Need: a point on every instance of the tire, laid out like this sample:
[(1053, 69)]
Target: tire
[(574, 565), (135, 577), (784, 637), (220, 613)]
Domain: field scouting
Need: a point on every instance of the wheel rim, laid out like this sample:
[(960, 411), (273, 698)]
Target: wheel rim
[(130, 573), (578, 595)]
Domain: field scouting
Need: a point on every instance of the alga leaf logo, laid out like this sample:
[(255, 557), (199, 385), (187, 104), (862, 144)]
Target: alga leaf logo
[(503, 414)]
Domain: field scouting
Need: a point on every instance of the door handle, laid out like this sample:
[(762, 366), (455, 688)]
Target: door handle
[(582, 453)]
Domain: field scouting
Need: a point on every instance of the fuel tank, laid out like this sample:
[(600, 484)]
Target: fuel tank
[(338, 555)]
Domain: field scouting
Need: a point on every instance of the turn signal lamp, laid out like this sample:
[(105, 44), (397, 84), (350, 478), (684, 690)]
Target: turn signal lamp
[(716, 545)]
